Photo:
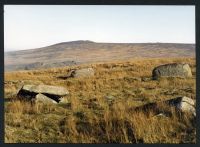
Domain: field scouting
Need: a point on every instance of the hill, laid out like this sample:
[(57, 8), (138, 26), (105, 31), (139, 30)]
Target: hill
[(79, 52)]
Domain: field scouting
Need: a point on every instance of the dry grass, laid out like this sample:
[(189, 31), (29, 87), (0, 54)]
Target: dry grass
[(89, 117)]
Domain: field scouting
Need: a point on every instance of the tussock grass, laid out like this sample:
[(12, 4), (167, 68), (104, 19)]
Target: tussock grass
[(90, 117)]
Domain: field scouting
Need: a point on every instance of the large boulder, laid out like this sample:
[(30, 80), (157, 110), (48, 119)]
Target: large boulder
[(172, 70), (53, 92)]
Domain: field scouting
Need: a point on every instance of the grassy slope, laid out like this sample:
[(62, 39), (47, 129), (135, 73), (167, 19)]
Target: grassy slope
[(88, 118), (64, 53)]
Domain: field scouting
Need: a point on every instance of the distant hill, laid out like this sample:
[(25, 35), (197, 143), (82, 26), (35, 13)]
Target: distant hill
[(78, 52)]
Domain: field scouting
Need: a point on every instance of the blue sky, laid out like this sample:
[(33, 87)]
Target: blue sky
[(27, 26)]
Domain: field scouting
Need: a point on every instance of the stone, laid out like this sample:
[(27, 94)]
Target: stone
[(76, 73), (30, 91), (172, 70), (63, 100), (40, 98), (160, 115), (184, 104), (85, 72), (47, 89)]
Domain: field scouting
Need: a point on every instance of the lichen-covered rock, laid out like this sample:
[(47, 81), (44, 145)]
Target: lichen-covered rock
[(172, 70)]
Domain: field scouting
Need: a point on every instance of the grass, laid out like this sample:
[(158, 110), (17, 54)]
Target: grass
[(90, 117)]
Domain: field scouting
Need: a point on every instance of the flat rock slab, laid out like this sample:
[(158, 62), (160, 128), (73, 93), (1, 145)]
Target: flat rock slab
[(29, 92), (45, 89), (172, 70)]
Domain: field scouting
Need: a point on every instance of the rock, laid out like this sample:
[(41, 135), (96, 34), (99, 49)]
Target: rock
[(184, 104), (30, 91), (85, 72), (63, 100), (40, 98), (76, 73), (47, 89), (172, 70), (160, 115)]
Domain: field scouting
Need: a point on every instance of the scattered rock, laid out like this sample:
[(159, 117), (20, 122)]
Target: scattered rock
[(41, 98), (172, 70)]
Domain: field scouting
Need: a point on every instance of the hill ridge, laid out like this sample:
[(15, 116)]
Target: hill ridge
[(86, 51)]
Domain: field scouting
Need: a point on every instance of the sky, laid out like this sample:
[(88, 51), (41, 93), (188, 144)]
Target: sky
[(34, 26)]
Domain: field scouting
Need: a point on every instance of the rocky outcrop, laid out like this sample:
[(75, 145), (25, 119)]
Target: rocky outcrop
[(172, 70), (30, 92)]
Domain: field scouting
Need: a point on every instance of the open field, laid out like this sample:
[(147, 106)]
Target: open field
[(89, 117)]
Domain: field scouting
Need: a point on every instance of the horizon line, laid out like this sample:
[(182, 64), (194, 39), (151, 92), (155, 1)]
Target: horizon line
[(157, 42)]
